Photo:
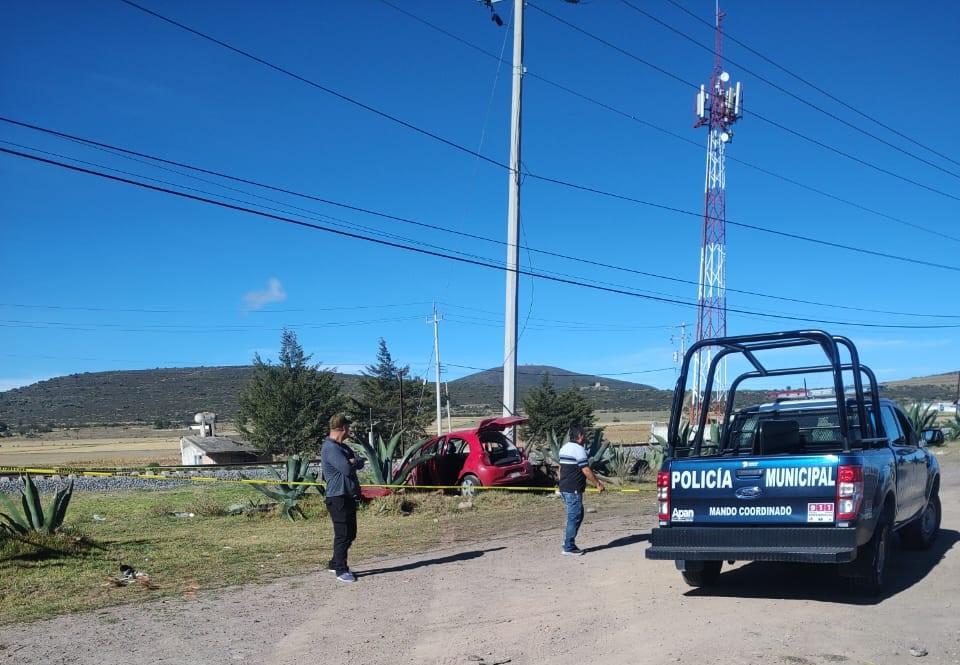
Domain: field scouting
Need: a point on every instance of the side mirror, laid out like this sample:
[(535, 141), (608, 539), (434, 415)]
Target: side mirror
[(932, 437)]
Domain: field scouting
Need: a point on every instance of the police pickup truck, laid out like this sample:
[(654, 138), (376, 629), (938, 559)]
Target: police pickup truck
[(809, 480)]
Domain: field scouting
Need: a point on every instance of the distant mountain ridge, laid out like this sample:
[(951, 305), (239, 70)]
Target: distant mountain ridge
[(175, 394)]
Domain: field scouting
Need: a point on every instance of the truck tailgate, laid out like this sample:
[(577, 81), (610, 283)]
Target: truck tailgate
[(787, 490)]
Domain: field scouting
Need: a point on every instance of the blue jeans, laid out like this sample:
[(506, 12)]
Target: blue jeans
[(574, 504)]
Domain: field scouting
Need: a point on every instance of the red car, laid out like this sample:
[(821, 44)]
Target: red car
[(470, 457)]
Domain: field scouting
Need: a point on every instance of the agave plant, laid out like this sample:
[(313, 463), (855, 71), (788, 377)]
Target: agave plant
[(286, 492), (552, 452), (623, 464), (921, 417), (598, 451), (953, 428), (31, 516), (384, 469)]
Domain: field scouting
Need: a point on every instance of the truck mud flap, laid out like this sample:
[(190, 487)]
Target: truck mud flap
[(798, 545)]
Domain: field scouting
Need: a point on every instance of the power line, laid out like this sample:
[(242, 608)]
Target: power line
[(314, 84), (774, 123), (542, 321), (789, 93), (662, 130), (138, 310), (186, 328), (475, 153), (814, 86), (451, 257), (473, 236)]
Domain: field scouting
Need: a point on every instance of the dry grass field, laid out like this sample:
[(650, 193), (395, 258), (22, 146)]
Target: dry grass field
[(94, 445), (132, 445)]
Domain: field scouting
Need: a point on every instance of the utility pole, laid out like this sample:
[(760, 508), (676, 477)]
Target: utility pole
[(400, 379), (436, 354), (370, 437), (446, 389), (718, 107), (513, 210), (513, 222), (680, 339)]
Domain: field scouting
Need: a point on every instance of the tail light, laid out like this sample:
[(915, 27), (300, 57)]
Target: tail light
[(849, 491), (663, 495)]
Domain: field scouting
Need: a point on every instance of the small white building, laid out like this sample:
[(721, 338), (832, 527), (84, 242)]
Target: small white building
[(208, 448), (942, 408)]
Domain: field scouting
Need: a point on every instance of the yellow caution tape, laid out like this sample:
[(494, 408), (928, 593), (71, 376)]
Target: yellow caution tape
[(274, 481)]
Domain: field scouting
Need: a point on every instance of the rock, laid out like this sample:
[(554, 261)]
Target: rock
[(99, 518), (918, 651), (591, 510), (236, 508), (465, 505)]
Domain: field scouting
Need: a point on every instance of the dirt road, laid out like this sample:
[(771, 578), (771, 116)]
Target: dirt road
[(515, 599)]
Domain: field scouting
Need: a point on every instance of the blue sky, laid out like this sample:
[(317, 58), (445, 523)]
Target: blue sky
[(98, 275)]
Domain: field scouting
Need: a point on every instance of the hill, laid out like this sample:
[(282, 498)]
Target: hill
[(481, 392), (175, 394), (131, 396), (936, 387), (946, 379)]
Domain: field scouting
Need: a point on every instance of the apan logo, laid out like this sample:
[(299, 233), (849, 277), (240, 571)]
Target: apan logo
[(682, 515)]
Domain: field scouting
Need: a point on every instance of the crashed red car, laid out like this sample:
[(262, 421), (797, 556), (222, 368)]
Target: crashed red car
[(482, 456)]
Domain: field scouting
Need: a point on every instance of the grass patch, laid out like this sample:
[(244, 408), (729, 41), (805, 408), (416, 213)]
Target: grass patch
[(212, 549)]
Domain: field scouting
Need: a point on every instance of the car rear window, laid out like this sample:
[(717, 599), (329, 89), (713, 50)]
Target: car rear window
[(499, 448)]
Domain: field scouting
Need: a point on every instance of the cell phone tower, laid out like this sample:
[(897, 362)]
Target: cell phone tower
[(718, 107)]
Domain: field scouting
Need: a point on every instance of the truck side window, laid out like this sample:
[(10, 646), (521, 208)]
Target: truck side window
[(910, 438), (892, 426)]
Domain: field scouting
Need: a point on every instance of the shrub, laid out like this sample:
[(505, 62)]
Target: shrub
[(287, 493), (921, 417), (383, 469), (32, 517)]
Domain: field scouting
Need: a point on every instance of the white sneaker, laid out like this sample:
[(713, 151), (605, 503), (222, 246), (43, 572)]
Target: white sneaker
[(346, 577)]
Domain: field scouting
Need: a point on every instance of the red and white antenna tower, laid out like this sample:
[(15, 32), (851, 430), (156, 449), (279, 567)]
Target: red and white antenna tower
[(719, 106)]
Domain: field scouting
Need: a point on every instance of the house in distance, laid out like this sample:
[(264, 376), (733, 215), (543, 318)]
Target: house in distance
[(207, 447)]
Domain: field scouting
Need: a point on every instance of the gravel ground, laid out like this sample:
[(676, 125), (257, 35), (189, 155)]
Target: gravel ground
[(12, 484)]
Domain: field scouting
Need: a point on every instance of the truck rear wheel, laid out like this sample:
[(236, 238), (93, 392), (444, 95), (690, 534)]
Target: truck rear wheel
[(874, 561), (920, 533), (706, 576)]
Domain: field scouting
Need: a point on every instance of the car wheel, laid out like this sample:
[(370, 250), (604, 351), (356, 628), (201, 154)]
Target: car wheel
[(468, 485), (921, 533), (874, 554), (704, 577)]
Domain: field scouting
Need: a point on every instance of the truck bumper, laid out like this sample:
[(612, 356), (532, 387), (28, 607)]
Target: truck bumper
[(796, 545)]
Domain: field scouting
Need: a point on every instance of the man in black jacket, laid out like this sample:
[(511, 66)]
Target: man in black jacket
[(340, 466)]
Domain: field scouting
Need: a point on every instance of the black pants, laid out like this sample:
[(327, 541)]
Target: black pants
[(343, 514)]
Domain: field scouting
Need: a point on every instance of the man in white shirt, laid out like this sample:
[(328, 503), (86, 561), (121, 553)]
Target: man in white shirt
[(575, 471)]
